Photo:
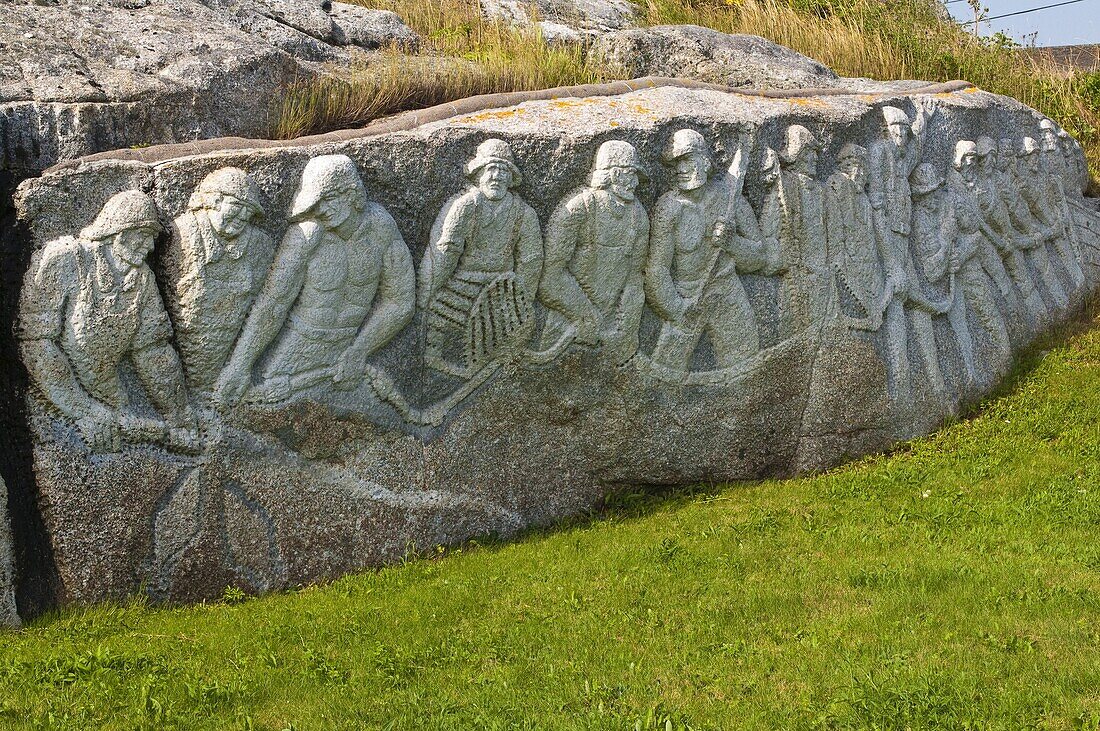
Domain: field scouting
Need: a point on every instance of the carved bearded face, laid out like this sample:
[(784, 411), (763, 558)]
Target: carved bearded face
[(229, 216), (494, 180), (624, 182), (899, 134), (132, 246), (988, 163), (692, 171)]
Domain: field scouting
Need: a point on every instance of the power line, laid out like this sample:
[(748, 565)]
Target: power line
[(1032, 10)]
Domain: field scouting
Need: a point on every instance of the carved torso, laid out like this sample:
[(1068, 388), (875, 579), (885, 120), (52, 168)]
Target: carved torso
[(97, 313), (851, 238), (611, 241), (219, 283), (889, 172)]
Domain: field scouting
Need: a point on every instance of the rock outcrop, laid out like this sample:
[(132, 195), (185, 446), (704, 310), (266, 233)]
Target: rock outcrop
[(83, 76), (267, 366)]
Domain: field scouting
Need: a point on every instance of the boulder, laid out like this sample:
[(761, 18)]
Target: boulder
[(8, 615), (693, 52), (583, 17), (369, 28), (350, 347), (82, 76)]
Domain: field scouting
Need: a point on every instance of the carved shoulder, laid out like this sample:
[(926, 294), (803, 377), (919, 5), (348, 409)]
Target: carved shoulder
[(56, 265), (53, 276)]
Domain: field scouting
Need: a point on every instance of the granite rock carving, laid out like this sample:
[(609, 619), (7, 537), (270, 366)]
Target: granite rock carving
[(686, 275)]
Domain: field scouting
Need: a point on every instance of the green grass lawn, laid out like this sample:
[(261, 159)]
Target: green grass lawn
[(952, 585)]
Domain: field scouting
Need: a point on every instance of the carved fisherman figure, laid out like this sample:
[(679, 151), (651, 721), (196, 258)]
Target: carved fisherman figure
[(1006, 239), (1076, 166), (596, 244), (973, 251), (1054, 175), (480, 273), (88, 304), (341, 287), (1036, 233), (798, 202), (852, 245), (935, 235), (222, 258), (703, 233), (893, 159)]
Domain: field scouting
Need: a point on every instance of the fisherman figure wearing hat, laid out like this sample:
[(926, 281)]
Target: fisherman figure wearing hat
[(1076, 166), (850, 233), (341, 287), (977, 266), (893, 158), (794, 208), (1036, 232), (596, 241), (1006, 238), (936, 237), (219, 258), (88, 304), (703, 233), (480, 274), (1054, 175)]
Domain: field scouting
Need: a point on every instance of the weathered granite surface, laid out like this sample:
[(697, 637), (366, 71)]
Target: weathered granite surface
[(82, 76), (338, 351), (565, 19), (8, 615)]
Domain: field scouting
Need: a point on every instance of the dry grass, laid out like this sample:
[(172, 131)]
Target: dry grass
[(465, 53)]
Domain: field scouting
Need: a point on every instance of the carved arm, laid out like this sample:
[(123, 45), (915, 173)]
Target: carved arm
[(269, 313), (559, 289), (660, 290)]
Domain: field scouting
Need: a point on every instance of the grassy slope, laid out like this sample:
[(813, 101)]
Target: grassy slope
[(955, 582)]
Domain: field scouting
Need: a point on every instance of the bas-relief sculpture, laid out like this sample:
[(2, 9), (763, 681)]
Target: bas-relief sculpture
[(962, 257), (90, 306)]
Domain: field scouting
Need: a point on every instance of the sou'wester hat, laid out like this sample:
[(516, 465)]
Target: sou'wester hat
[(498, 151), (323, 176), (130, 209)]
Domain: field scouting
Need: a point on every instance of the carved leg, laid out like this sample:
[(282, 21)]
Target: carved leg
[(674, 348), (735, 337), (897, 350), (926, 341), (1071, 258), (1033, 302), (980, 299), (1041, 258), (957, 317)]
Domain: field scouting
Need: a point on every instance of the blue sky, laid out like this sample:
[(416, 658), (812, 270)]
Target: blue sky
[(1064, 26)]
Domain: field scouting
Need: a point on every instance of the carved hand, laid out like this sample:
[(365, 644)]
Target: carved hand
[(99, 430), (138, 429), (231, 386)]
